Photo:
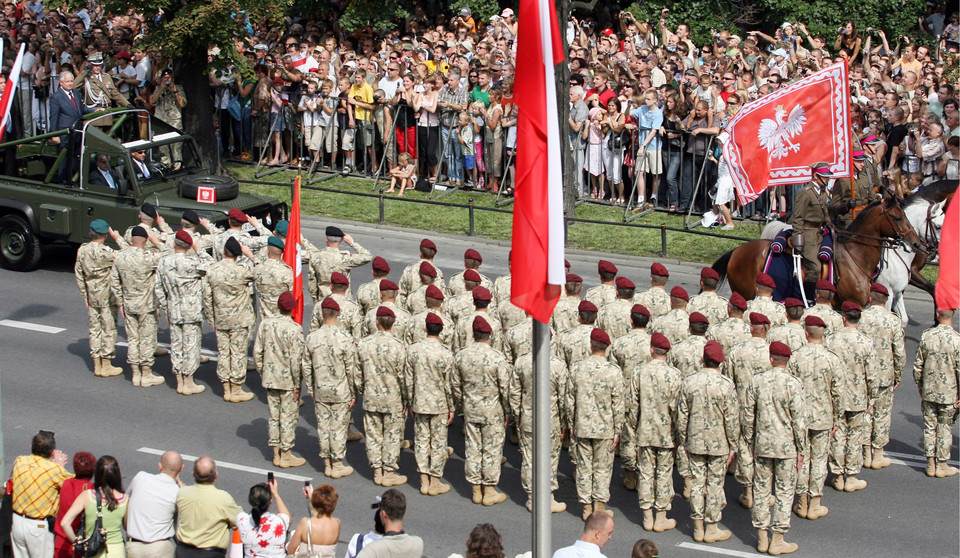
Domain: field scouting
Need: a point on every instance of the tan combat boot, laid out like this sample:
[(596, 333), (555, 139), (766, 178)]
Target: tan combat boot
[(648, 519), (148, 378), (602, 507), (587, 510), (107, 369), (438, 487), (746, 497), (491, 496), (287, 459), (931, 466), (477, 497), (838, 483), (239, 396), (190, 387), (879, 461), (529, 504), (557, 507), (327, 466), (180, 383), (852, 484), (353, 435), (763, 541), (378, 476), (406, 444), (160, 351), (662, 523), (630, 480), (801, 508), (714, 533), (779, 546), (698, 530), (686, 488), (137, 375), (816, 511), (424, 484), (276, 456), (227, 392), (867, 457), (338, 470), (391, 478), (944, 470), (97, 365)]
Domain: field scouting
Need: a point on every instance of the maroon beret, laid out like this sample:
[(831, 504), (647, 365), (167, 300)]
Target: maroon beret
[(184, 236), (427, 243), (756, 318), (480, 325), (482, 293), (709, 273), (624, 283), (737, 301), (237, 215), (878, 288), (433, 319), (849, 306), (599, 336), (471, 275), (381, 264), (658, 270), (385, 311), (603, 266), (472, 254), (434, 291), (793, 303), (698, 318), (426, 268), (574, 278), (640, 309), (824, 285), (780, 349), (388, 285), (765, 280), (659, 341), (814, 321), (586, 306), (566, 263), (286, 302), (713, 351), (330, 304), (680, 292), (337, 278)]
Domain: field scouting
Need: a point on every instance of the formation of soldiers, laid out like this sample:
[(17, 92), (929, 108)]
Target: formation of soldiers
[(779, 392)]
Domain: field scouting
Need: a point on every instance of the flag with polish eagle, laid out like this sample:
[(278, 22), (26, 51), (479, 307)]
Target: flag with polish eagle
[(774, 140), (7, 99), (292, 252), (538, 237)]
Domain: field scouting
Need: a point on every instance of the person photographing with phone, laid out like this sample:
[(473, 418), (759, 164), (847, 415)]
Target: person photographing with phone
[(263, 532)]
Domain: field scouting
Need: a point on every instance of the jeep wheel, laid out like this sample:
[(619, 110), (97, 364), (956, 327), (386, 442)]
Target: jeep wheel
[(19, 246), (226, 187)]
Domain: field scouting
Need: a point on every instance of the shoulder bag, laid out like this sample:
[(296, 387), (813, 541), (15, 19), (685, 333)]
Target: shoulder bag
[(97, 541)]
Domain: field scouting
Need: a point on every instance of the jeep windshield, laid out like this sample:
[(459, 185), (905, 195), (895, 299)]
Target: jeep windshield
[(169, 155)]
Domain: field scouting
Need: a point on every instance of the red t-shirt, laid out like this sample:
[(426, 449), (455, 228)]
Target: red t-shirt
[(604, 96)]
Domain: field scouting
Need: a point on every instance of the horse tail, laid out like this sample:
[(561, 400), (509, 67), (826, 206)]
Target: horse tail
[(720, 266)]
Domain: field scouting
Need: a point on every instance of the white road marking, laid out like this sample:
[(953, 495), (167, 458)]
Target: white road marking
[(717, 550), (234, 466), (212, 355), (917, 459), (31, 327)]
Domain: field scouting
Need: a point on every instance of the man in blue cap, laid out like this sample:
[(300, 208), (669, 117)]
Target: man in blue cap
[(94, 263)]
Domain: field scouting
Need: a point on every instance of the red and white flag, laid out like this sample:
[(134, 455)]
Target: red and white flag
[(947, 293), (538, 239), (298, 59), (774, 140), (7, 99), (291, 252)]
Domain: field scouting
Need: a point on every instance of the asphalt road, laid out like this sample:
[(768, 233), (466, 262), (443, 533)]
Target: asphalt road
[(48, 383)]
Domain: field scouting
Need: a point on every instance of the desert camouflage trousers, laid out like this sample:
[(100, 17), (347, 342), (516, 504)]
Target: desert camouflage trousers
[(103, 331), (628, 450), (743, 470), (526, 459), (779, 476), (284, 416), (878, 423), (430, 443), (594, 469), (384, 435), (937, 429), (333, 421), (482, 452), (707, 500), (655, 477), (813, 475), (232, 354), (185, 347), (141, 332), (846, 448)]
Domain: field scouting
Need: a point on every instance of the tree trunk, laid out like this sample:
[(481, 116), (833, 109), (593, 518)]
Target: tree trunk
[(198, 115), (563, 103)]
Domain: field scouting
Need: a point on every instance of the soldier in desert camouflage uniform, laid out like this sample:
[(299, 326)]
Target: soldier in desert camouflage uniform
[(331, 372), (687, 357), (732, 330), (464, 336), (180, 291), (418, 331), (426, 373), (414, 302), (203, 242), (823, 309), (708, 430), (235, 221), (278, 354), (368, 294), (656, 298), (674, 324), (402, 319), (605, 292), (92, 271), (134, 281), (763, 302), (885, 329), (271, 278), (410, 279), (614, 317), (462, 304), (385, 398), (332, 258), (595, 407), (860, 379), (651, 412), (518, 340), (151, 221), (627, 353), (471, 260), (936, 370), (574, 345), (791, 333), (507, 312), (481, 383), (774, 425), (708, 302), (350, 319), (229, 308), (564, 316), (821, 374)]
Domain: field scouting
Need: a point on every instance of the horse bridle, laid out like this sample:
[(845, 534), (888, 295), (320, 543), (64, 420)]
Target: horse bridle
[(882, 241)]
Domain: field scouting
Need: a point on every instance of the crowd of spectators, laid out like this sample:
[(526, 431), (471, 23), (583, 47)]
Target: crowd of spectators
[(647, 102)]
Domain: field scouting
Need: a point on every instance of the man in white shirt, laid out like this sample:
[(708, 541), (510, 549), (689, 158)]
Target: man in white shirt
[(151, 509), (597, 532)]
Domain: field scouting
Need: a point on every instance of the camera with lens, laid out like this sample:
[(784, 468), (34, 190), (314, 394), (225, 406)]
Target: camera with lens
[(841, 31), (377, 98), (86, 35)]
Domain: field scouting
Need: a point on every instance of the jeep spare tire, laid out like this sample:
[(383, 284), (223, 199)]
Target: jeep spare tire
[(226, 187)]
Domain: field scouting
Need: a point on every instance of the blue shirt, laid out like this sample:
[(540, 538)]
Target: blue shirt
[(648, 120), (580, 549)]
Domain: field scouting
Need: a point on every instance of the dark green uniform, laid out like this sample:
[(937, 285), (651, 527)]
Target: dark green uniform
[(809, 216)]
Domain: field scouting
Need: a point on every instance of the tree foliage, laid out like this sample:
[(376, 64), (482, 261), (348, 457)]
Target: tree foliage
[(482, 9), (377, 15)]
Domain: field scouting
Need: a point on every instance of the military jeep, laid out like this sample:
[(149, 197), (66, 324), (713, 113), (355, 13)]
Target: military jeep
[(48, 198)]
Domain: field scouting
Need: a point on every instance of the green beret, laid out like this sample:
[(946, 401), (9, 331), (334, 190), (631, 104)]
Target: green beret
[(99, 226), (282, 227), (275, 242)]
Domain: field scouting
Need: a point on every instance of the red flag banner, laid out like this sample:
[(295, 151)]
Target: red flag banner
[(291, 252), (948, 279), (536, 262), (774, 140), (8, 97)]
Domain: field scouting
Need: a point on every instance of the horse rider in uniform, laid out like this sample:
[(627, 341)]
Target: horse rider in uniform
[(851, 195), (810, 215)]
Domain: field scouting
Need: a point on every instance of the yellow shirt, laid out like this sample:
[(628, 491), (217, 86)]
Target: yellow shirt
[(365, 92), (36, 486), (206, 516)]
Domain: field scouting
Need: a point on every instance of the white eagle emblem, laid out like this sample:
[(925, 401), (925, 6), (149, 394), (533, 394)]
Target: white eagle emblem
[(775, 134)]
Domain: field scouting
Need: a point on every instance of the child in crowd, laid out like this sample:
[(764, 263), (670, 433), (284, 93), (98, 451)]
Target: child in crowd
[(310, 110), (326, 123), (403, 174), (467, 147), (479, 111), (346, 123)]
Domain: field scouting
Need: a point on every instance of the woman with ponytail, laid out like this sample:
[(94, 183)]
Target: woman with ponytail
[(264, 533)]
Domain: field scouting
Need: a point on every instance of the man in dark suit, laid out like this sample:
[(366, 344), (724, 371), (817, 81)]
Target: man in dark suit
[(66, 109), (13, 131), (103, 175), (145, 169)]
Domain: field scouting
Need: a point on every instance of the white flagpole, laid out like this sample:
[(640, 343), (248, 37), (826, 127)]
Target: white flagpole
[(542, 440)]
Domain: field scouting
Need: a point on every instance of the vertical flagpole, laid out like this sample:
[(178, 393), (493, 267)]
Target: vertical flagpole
[(542, 440)]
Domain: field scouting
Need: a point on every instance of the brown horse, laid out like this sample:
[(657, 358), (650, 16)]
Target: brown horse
[(857, 252)]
